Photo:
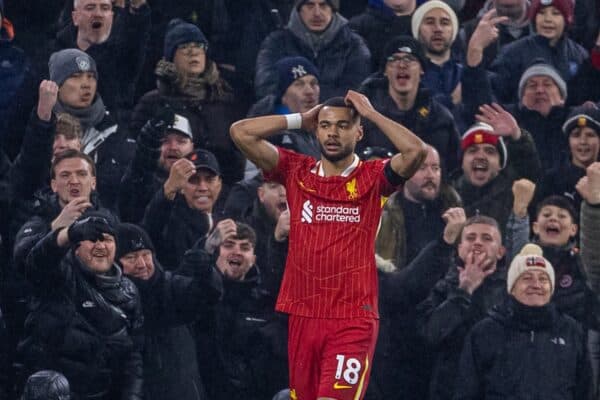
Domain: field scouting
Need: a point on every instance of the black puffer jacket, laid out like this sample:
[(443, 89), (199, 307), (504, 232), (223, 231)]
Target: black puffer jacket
[(86, 325), (428, 119), (521, 352), (171, 301), (341, 57)]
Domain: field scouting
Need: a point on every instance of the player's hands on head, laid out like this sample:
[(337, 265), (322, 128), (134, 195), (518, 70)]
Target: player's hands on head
[(224, 229), (455, 219), (310, 118), (361, 103)]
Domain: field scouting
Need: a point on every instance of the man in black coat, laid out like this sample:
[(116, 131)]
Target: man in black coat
[(397, 93), (86, 318), (170, 301), (525, 341)]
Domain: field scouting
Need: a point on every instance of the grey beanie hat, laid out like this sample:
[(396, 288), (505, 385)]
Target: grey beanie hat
[(67, 62), (541, 68)]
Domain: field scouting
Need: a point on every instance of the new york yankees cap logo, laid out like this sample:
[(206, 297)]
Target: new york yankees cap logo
[(298, 71)]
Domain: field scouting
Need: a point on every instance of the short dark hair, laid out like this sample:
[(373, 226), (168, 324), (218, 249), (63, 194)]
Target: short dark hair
[(557, 201), (340, 102), (480, 219), (245, 232), (71, 153)]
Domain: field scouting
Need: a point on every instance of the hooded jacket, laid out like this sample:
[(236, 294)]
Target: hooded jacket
[(340, 55)]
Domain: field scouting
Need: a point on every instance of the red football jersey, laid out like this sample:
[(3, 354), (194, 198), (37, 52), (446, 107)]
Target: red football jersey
[(330, 270)]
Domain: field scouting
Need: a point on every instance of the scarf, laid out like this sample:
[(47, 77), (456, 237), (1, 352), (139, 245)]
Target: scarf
[(316, 41), (88, 117), (208, 86)]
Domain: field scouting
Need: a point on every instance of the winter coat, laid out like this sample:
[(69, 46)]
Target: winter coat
[(243, 343), (428, 119), (406, 226), (590, 243), (403, 361), (524, 352), (171, 301), (377, 25), (341, 57), (495, 199), (209, 120), (119, 59), (447, 316), (86, 325), (174, 227), (566, 57)]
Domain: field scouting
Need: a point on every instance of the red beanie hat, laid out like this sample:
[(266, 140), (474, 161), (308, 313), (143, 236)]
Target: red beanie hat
[(564, 6)]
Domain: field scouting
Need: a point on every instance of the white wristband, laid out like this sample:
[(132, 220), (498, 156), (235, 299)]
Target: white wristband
[(294, 121)]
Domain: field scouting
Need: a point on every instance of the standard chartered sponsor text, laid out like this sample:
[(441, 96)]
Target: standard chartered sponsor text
[(337, 214)]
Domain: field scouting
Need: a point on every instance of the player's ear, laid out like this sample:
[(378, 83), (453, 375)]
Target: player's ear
[(359, 133)]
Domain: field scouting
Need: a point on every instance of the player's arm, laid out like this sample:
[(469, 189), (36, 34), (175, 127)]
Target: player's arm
[(250, 135), (411, 150)]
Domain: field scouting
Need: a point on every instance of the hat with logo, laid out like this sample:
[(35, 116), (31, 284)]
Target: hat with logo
[(565, 7), (206, 160), (291, 68), (483, 133), (130, 238), (427, 6), (530, 258), (334, 4), (181, 125), (582, 116), (404, 44), (540, 68), (65, 63), (180, 32)]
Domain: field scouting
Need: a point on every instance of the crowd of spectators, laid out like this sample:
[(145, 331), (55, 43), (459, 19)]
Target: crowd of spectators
[(141, 254)]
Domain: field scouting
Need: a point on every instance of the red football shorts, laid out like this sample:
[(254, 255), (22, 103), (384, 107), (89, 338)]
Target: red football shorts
[(330, 357)]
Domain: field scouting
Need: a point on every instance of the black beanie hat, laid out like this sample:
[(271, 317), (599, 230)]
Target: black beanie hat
[(582, 116), (335, 4), (291, 68), (404, 44), (180, 32), (131, 237)]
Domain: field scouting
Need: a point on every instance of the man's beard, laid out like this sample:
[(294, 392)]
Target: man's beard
[(438, 52), (345, 152)]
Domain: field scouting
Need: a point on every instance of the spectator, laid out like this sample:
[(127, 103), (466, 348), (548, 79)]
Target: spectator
[(582, 128), (485, 181), (435, 25), (103, 139), (550, 43), (397, 93), (514, 26), (461, 299), (115, 37), (184, 209), (244, 341), (189, 82), (380, 21), (170, 301), (503, 353), (317, 32), (87, 320), (166, 138), (412, 217)]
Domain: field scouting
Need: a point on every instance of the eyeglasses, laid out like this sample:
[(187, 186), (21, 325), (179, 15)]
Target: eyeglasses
[(192, 45), (405, 59)]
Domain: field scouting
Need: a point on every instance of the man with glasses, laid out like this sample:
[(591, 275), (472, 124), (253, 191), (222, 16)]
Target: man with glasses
[(396, 92)]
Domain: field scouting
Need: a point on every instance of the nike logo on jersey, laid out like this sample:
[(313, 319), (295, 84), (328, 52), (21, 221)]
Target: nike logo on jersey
[(338, 386)]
